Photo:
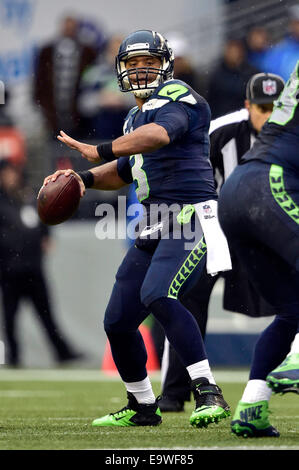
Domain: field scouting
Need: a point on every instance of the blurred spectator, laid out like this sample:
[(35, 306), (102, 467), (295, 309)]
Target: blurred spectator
[(12, 141), (258, 46), (102, 105), (228, 80), (22, 245), (92, 35), (183, 67), (59, 68), (283, 57), (5, 118)]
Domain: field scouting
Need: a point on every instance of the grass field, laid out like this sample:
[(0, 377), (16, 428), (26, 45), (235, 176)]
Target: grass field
[(54, 409)]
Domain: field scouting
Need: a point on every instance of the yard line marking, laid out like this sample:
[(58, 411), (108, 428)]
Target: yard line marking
[(71, 419), (52, 418), (28, 394), (81, 375)]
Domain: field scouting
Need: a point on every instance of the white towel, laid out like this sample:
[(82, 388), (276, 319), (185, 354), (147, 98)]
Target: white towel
[(218, 256)]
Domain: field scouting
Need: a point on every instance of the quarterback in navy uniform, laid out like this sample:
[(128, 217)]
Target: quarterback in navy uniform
[(259, 213), (165, 151)]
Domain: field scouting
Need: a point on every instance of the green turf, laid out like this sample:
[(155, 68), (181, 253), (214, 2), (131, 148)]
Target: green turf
[(58, 415)]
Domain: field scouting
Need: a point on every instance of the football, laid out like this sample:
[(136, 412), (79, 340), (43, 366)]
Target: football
[(58, 200)]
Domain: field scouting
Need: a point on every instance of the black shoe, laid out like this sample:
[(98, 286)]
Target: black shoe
[(210, 406), (134, 414), (168, 404)]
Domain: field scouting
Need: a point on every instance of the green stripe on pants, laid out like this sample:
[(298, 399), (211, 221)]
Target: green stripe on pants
[(280, 195), (187, 268)]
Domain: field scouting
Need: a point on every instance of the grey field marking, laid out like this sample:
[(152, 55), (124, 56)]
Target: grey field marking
[(81, 375)]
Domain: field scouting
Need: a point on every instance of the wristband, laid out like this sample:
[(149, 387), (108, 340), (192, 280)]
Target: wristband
[(87, 177), (105, 151)]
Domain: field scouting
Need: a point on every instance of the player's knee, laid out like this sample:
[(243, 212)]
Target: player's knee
[(114, 326), (114, 319), (109, 326), (151, 291), (121, 315)]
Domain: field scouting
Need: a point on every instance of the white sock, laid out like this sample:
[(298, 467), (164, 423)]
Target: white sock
[(142, 391), (256, 390), (201, 369), (295, 345)]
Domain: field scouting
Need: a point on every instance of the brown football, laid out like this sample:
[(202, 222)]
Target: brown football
[(58, 200)]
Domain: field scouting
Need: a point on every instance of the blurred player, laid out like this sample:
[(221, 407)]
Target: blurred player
[(23, 244), (231, 136), (165, 150), (259, 213)]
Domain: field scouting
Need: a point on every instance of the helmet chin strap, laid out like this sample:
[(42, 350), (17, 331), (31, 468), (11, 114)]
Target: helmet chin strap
[(146, 92), (143, 93)]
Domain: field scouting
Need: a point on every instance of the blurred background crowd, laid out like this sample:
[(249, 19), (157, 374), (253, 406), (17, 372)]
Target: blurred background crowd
[(66, 79)]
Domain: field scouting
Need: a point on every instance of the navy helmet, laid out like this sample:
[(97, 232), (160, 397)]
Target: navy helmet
[(144, 42)]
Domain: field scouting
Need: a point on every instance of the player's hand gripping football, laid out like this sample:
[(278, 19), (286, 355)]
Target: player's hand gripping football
[(87, 151), (55, 175)]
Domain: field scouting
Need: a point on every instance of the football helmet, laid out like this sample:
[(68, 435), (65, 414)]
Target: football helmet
[(141, 43)]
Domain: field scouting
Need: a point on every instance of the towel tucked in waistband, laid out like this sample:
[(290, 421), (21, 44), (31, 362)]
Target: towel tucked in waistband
[(218, 255)]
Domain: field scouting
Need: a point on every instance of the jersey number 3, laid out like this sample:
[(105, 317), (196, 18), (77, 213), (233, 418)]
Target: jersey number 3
[(139, 175)]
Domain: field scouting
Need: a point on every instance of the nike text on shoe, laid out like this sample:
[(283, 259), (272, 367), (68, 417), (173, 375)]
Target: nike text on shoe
[(210, 406), (134, 414), (251, 420), (285, 378)]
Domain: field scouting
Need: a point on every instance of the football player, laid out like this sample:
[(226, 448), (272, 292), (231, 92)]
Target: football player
[(231, 136), (259, 213), (165, 151)]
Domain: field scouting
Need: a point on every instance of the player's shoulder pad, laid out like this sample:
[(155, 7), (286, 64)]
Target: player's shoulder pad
[(176, 90), (128, 118), (131, 112)]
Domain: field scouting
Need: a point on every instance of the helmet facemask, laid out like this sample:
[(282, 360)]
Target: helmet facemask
[(142, 81)]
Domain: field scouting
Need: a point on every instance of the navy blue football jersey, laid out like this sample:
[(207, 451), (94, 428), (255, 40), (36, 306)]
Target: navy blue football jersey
[(278, 141), (179, 172)]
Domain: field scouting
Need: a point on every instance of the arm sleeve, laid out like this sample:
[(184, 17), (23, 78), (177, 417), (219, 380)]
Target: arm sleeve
[(174, 118), (124, 169)]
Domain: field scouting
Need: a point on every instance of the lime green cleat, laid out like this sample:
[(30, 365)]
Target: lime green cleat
[(134, 414), (285, 378), (210, 406), (251, 420)]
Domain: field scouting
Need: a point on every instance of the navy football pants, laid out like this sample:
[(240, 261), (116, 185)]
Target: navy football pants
[(152, 282), (259, 214)]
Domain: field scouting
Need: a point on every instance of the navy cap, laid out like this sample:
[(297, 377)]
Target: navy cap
[(264, 88)]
